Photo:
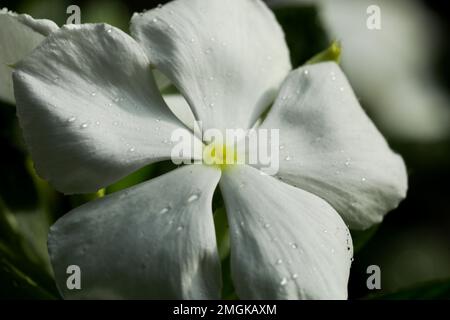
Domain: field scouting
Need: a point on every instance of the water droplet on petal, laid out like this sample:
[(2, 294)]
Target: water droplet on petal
[(341, 89), (193, 197), (179, 228), (294, 276), (305, 72), (97, 123), (283, 282), (84, 125), (267, 225), (93, 94), (164, 210), (294, 245), (71, 119), (132, 149), (287, 158), (279, 261), (363, 179), (282, 147)]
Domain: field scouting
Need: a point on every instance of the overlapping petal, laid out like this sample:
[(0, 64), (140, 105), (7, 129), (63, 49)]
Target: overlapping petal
[(89, 108), (286, 243), (19, 35), (226, 58), (154, 240), (329, 147)]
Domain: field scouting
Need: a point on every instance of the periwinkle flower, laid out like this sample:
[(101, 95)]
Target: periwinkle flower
[(91, 114)]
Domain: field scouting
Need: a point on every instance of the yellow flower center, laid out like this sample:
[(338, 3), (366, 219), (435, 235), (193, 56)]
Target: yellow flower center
[(220, 155)]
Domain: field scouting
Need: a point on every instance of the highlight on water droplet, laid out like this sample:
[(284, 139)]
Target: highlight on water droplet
[(283, 282), (164, 210), (71, 119), (193, 197), (84, 125), (279, 261)]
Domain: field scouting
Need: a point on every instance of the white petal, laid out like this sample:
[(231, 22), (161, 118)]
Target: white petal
[(90, 109), (19, 35), (154, 240), (286, 243), (179, 106), (331, 148), (226, 58)]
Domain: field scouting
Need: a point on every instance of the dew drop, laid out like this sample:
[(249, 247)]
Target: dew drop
[(71, 119), (132, 149), (363, 179), (282, 147), (325, 231), (341, 89), (109, 30), (84, 125), (294, 276), (267, 225), (115, 123), (283, 282), (179, 228), (305, 72), (164, 210), (192, 40), (193, 197), (211, 105), (294, 245), (242, 223), (279, 261), (287, 158), (93, 94), (155, 20)]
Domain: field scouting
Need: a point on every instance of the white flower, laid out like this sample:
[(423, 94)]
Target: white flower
[(91, 114)]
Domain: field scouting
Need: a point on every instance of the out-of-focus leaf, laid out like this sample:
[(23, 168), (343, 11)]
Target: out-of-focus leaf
[(112, 12), (16, 284), (223, 246), (222, 234), (332, 53), (304, 33), (435, 290), (360, 238), (16, 188)]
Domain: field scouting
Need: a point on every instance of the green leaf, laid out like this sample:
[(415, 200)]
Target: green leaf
[(435, 290), (16, 284), (222, 233), (361, 237), (332, 53), (303, 30)]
